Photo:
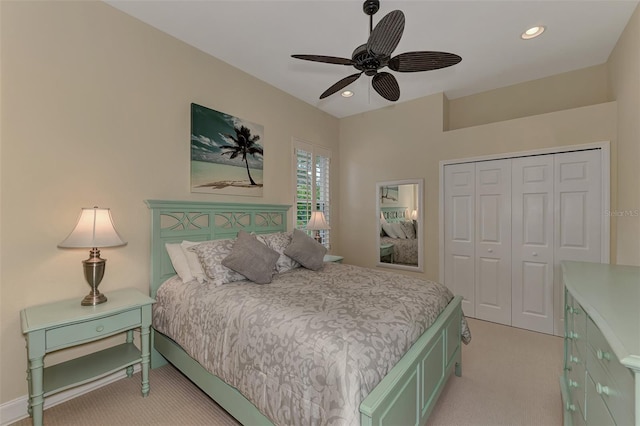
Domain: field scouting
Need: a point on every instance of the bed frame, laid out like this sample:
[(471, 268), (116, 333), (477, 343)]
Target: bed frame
[(406, 395)]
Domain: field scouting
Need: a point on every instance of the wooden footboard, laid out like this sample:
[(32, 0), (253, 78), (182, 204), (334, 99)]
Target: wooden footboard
[(407, 395)]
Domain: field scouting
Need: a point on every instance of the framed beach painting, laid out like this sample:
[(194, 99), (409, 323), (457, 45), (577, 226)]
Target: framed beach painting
[(226, 154), (389, 195)]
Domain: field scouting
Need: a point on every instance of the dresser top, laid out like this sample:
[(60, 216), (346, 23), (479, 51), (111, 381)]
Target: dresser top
[(610, 294), (66, 311)]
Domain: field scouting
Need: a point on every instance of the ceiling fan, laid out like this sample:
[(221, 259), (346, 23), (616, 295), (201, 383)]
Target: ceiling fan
[(369, 58)]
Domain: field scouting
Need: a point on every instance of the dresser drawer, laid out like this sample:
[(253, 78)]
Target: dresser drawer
[(597, 412), (73, 334), (616, 392)]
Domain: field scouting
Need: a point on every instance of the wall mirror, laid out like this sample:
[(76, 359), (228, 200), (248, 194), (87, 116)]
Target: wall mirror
[(399, 218)]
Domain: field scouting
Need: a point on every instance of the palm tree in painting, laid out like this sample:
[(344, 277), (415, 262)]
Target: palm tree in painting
[(245, 144)]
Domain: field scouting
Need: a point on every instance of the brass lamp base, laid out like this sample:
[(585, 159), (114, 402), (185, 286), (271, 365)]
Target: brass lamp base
[(93, 273), (92, 299)]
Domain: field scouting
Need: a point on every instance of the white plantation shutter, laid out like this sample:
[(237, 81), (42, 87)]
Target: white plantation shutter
[(312, 185)]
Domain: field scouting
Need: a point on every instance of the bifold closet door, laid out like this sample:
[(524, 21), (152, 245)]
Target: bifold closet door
[(493, 241), (578, 215), (459, 233), (533, 243)]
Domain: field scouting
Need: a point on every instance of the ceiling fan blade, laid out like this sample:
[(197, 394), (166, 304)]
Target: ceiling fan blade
[(325, 59), (423, 61), (386, 35), (340, 85), (386, 85)]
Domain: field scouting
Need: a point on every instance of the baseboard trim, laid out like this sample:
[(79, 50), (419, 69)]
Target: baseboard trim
[(15, 410)]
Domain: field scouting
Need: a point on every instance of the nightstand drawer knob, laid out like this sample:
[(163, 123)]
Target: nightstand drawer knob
[(99, 328)]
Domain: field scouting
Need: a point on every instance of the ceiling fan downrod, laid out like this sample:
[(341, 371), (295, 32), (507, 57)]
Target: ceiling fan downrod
[(370, 7)]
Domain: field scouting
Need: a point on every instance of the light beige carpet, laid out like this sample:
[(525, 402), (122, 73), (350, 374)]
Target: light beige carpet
[(509, 377)]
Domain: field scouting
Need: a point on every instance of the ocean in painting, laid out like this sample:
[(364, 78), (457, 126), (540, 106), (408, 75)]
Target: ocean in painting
[(215, 178)]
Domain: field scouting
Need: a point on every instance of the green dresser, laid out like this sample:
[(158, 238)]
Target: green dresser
[(601, 379)]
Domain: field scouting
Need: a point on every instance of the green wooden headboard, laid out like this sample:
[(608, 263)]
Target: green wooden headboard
[(394, 214), (175, 221)]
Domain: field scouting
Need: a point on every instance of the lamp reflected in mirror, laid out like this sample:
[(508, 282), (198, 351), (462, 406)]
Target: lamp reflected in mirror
[(399, 233)]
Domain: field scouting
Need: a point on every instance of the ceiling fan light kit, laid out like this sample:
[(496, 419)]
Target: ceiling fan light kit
[(369, 58)]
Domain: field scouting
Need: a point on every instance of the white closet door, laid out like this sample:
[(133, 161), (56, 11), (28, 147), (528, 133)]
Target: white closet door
[(532, 242), (459, 225), (578, 215), (493, 241)]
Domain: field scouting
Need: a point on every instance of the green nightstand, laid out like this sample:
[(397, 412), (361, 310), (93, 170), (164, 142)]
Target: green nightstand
[(64, 324), (333, 258), (386, 250)]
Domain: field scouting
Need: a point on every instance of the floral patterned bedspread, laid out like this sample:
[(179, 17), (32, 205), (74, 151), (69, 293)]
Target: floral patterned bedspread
[(405, 251), (309, 347)]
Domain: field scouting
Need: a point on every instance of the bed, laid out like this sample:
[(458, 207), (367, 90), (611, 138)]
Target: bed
[(399, 231), (404, 394)]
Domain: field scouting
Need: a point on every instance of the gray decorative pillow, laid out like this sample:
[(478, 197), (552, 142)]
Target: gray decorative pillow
[(252, 259), (409, 229), (210, 254), (279, 241), (306, 250)]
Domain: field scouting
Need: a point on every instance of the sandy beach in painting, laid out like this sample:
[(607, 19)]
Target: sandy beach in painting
[(213, 178)]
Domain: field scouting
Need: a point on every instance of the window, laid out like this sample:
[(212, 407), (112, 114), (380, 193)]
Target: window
[(312, 185)]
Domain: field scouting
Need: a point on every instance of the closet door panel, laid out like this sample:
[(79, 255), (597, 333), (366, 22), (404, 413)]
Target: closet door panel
[(532, 254), (578, 215), (459, 222), (493, 241)]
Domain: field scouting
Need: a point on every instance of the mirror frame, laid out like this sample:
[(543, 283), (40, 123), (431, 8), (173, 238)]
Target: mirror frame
[(419, 221)]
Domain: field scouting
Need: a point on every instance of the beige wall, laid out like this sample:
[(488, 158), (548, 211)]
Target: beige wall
[(95, 111), (568, 90), (624, 77)]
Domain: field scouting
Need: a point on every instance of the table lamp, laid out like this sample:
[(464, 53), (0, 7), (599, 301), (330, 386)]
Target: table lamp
[(317, 223), (94, 229)]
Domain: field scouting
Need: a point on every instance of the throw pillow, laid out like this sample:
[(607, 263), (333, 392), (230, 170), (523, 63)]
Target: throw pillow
[(210, 254), (305, 250), (252, 259)]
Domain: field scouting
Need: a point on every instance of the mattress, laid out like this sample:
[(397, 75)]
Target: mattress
[(307, 348)]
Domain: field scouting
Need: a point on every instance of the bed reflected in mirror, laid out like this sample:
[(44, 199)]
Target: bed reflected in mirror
[(399, 218)]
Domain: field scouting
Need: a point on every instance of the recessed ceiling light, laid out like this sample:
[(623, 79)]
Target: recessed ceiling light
[(532, 32), (347, 94)]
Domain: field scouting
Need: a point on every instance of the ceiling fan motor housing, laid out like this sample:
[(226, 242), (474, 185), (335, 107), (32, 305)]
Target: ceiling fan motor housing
[(366, 62)]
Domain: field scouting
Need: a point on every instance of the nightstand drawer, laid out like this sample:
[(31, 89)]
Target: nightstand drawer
[(86, 331)]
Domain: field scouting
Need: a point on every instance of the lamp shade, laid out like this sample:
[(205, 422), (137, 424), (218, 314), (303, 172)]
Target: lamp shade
[(414, 215), (317, 222), (94, 229)]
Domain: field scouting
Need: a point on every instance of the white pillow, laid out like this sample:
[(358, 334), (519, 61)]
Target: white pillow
[(397, 227), (179, 261), (386, 227), (193, 261)]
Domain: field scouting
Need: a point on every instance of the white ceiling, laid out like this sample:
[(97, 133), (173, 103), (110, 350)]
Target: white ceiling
[(259, 37)]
